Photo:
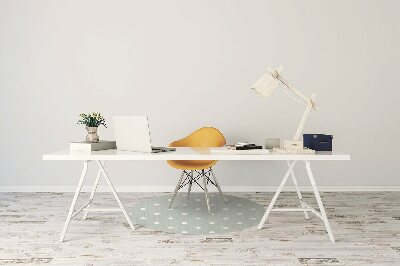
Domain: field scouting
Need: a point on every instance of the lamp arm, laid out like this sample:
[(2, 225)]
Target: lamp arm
[(310, 105), (297, 92), (309, 102)]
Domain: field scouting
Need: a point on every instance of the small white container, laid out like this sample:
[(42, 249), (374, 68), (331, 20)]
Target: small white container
[(293, 144)]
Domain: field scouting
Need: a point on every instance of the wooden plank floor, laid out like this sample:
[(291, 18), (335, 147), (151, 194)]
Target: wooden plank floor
[(366, 226)]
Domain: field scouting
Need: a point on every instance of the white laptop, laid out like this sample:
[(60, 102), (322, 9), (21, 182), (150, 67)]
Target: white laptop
[(132, 133)]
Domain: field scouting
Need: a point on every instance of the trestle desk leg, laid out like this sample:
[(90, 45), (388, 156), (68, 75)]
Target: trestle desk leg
[(115, 195), (96, 182), (298, 191), (320, 205), (71, 209), (278, 191)]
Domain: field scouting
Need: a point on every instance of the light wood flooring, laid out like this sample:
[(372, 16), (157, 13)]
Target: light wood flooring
[(366, 226)]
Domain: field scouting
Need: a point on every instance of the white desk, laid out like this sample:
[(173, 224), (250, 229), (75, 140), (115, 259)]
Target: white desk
[(100, 157)]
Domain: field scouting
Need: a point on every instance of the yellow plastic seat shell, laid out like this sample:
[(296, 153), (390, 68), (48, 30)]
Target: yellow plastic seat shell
[(203, 137)]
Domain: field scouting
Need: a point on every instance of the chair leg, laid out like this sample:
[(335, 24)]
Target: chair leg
[(205, 189), (218, 186), (190, 183), (176, 189)]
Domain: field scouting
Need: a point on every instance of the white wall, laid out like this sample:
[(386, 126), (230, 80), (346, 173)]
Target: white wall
[(188, 64)]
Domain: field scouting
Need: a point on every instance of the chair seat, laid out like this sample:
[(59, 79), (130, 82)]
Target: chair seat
[(203, 137), (191, 164)]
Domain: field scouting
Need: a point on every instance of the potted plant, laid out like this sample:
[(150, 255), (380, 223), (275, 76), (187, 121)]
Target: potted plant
[(92, 121)]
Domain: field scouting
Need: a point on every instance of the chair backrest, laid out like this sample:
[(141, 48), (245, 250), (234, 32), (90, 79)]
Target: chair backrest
[(203, 137)]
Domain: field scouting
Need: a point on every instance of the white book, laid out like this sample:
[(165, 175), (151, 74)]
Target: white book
[(244, 143), (86, 146), (225, 150)]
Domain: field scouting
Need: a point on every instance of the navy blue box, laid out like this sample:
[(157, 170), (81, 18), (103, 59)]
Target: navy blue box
[(318, 142)]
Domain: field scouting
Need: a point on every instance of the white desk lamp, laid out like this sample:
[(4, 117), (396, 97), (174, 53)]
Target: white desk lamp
[(266, 86)]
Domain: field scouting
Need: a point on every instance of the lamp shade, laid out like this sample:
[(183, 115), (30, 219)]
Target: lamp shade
[(267, 84)]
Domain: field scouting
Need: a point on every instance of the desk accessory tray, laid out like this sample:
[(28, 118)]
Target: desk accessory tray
[(293, 151)]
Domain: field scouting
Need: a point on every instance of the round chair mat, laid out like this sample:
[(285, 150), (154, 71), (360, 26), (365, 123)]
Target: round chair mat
[(190, 216)]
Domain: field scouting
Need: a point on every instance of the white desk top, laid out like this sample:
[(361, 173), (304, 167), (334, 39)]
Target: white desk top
[(189, 154)]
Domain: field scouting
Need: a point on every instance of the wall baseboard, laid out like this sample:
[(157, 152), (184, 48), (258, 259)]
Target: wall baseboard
[(171, 188)]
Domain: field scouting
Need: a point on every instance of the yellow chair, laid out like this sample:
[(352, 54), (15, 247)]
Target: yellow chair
[(193, 170)]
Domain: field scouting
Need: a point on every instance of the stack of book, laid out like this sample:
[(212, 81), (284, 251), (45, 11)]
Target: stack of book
[(98, 146), (247, 146)]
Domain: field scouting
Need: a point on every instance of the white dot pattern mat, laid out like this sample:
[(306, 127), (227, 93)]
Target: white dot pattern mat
[(190, 216)]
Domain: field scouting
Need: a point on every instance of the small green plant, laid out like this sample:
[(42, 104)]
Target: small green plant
[(92, 120)]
